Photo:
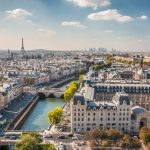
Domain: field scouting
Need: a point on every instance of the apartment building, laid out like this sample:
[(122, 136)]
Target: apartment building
[(88, 114)]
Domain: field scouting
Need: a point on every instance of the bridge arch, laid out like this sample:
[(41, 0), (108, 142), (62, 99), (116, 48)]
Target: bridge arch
[(41, 95), (51, 95)]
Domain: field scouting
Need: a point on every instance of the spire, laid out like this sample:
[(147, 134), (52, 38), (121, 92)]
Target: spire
[(22, 47)]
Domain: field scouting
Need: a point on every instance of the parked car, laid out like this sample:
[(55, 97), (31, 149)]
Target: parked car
[(47, 136), (74, 138), (70, 135), (61, 137)]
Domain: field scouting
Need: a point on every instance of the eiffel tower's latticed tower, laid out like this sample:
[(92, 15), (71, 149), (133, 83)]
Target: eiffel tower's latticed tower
[(22, 46)]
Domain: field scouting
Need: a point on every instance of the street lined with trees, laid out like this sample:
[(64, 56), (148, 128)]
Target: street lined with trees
[(111, 138)]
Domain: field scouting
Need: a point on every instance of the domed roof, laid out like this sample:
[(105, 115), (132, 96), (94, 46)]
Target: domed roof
[(138, 110)]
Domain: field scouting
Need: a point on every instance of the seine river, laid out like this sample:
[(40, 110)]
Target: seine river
[(38, 119)]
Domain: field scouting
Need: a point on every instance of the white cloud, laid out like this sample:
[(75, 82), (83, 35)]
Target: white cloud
[(110, 14), (18, 13), (143, 17), (109, 31), (75, 24), (45, 32), (91, 3)]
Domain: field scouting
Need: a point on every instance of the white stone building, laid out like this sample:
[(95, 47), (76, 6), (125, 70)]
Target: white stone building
[(87, 114)]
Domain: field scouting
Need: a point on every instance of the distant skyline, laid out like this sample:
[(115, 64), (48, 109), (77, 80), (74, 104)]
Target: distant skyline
[(75, 24)]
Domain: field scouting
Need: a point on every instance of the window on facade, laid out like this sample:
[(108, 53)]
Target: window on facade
[(123, 119), (78, 109), (119, 119), (78, 114), (101, 114), (74, 129), (114, 114), (94, 114), (88, 129), (74, 109), (120, 109), (78, 119), (119, 124), (120, 114), (82, 109), (74, 114), (127, 119), (82, 114), (78, 124), (101, 119), (88, 114), (108, 118), (108, 114), (82, 119), (114, 119), (88, 119), (74, 119), (124, 114), (93, 119)]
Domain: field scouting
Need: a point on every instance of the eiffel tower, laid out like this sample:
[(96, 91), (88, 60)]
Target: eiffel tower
[(22, 47)]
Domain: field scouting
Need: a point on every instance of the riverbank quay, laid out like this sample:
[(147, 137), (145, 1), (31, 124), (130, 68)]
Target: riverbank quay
[(23, 114), (13, 109)]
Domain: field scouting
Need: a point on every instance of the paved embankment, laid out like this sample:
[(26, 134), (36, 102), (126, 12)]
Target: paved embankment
[(17, 122), (22, 116)]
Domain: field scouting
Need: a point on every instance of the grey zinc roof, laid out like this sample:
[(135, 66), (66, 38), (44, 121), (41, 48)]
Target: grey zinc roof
[(97, 105), (121, 97), (78, 98)]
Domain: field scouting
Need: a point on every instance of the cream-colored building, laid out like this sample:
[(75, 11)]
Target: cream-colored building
[(87, 114)]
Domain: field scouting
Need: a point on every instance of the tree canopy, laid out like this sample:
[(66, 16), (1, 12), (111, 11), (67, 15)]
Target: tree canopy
[(55, 115), (81, 71), (145, 135), (68, 94), (27, 142)]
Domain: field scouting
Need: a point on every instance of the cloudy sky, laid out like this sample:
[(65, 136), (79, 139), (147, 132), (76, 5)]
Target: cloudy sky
[(75, 24)]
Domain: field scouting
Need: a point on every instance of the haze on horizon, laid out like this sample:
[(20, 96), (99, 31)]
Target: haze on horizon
[(75, 24)]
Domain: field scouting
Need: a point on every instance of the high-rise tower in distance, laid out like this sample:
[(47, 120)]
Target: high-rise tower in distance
[(22, 46)]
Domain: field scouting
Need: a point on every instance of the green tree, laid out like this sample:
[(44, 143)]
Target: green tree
[(55, 115), (81, 71), (68, 95), (28, 81), (81, 78), (102, 134), (27, 143), (143, 132), (146, 139), (114, 134), (46, 147), (130, 143), (104, 143)]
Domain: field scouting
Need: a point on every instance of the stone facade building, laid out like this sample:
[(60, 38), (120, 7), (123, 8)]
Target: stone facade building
[(87, 114)]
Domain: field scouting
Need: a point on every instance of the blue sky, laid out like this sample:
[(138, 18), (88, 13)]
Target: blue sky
[(75, 24)]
